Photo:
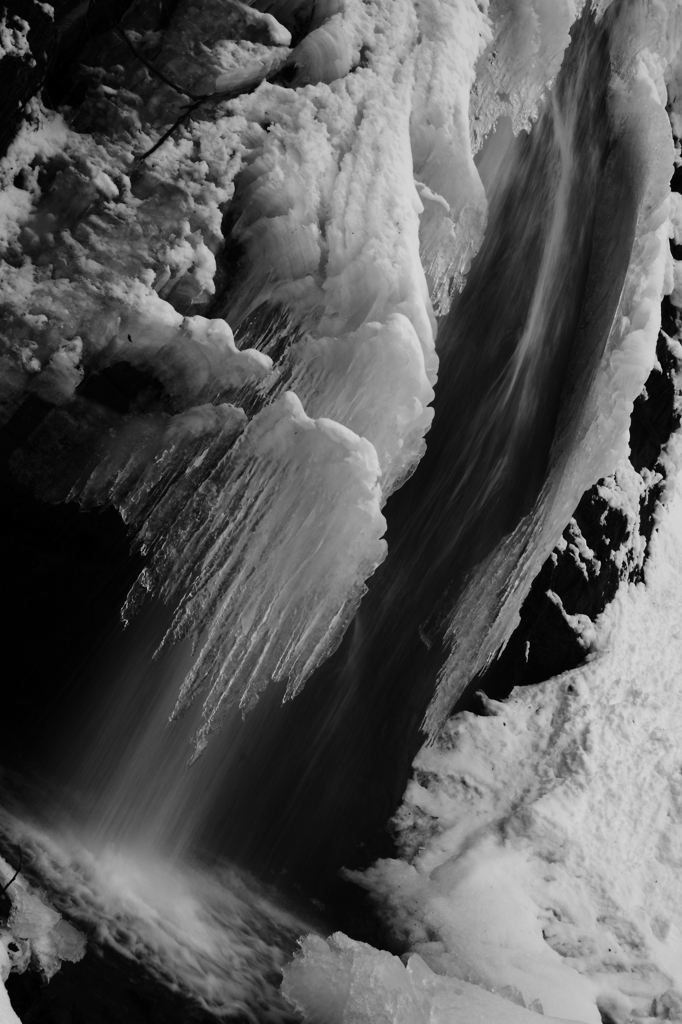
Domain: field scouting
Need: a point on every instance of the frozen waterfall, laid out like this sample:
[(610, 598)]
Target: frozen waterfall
[(341, 307)]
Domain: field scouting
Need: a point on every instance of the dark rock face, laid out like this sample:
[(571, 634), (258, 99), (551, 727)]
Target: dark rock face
[(22, 75), (67, 573), (55, 41), (655, 415), (104, 988), (600, 547)]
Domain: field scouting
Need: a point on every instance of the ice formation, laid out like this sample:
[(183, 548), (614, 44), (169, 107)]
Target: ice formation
[(592, 446), (340, 981), (106, 253), (247, 230), (287, 502), (13, 37), (340, 172)]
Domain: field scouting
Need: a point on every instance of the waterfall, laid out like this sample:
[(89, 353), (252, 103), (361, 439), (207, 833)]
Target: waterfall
[(341, 509), (485, 505)]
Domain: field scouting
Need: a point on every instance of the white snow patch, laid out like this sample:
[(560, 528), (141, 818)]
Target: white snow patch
[(14, 38)]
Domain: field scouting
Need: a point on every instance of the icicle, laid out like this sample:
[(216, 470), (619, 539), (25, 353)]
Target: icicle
[(283, 551), (264, 532)]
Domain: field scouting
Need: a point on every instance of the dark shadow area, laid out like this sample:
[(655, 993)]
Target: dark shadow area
[(66, 574), (104, 988)]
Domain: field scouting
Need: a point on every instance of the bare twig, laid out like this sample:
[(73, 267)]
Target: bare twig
[(227, 94), (197, 99), (16, 873), (167, 134)]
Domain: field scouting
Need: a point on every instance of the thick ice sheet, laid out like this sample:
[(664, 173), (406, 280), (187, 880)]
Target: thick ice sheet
[(345, 982)]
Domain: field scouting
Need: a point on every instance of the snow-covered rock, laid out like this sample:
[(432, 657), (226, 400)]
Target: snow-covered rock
[(32, 934)]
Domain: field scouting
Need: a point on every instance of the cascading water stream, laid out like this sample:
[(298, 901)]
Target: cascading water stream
[(294, 788), (518, 350), (252, 478)]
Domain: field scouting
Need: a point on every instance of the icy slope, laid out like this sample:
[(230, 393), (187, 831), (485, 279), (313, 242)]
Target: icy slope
[(539, 842)]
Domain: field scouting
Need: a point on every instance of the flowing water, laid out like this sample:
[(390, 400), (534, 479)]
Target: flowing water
[(293, 789), (296, 787)]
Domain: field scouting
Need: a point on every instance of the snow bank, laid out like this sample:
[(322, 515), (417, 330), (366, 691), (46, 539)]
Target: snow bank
[(539, 846), (539, 843)]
